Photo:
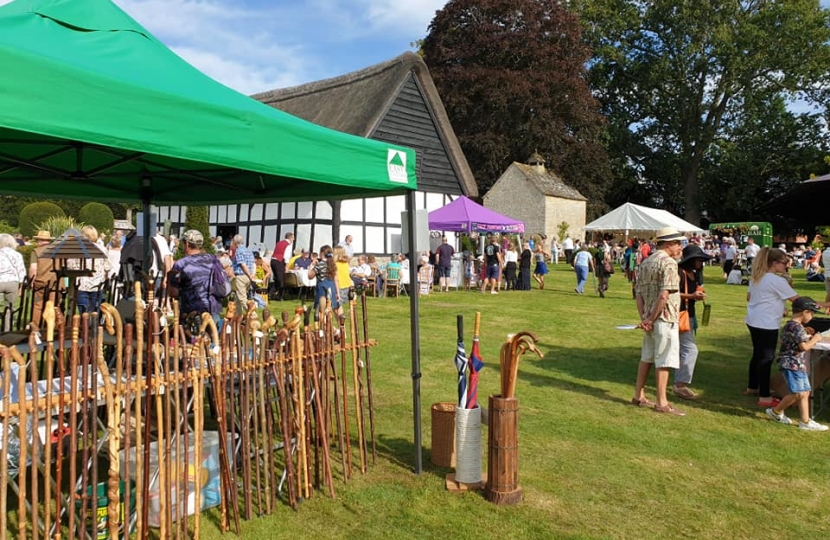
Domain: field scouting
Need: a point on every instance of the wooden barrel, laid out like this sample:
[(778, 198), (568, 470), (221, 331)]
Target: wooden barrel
[(443, 434), (503, 452)]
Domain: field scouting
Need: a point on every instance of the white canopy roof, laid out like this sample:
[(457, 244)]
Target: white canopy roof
[(633, 217)]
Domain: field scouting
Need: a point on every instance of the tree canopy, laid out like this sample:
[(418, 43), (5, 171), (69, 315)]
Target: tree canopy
[(512, 76), (697, 95)]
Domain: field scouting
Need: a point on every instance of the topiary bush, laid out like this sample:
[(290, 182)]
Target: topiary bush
[(34, 214), (98, 215), (196, 218)]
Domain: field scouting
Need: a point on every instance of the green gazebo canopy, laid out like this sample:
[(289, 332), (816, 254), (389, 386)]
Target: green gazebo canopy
[(92, 106)]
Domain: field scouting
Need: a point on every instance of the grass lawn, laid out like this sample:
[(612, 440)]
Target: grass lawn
[(590, 465)]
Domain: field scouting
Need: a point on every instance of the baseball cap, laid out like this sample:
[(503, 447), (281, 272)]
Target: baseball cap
[(194, 237), (805, 303)]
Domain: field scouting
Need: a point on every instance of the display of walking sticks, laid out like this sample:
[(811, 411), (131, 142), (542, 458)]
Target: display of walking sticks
[(130, 398)]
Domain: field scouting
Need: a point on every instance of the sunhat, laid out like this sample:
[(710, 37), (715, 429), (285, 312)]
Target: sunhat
[(693, 251), (43, 235), (668, 234)]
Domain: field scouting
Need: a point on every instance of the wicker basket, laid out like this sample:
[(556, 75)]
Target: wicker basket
[(443, 434)]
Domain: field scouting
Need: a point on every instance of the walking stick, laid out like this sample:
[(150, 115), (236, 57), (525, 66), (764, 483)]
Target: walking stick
[(49, 318), (60, 321), (358, 385), (33, 337), (73, 421), (23, 456), (113, 439), (345, 393), (4, 463), (141, 488), (368, 377), (129, 395), (224, 466)]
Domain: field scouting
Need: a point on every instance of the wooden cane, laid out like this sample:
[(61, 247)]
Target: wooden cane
[(33, 470), (88, 428), (251, 358), (159, 385), (23, 456), (73, 421), (129, 396), (4, 463), (358, 384), (322, 431), (142, 490), (60, 321), (267, 446), (344, 392), (368, 366), (49, 319), (113, 518), (215, 367), (113, 325), (278, 372)]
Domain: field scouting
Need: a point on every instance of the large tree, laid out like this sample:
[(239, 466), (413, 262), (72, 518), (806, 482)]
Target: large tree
[(512, 76), (675, 75)]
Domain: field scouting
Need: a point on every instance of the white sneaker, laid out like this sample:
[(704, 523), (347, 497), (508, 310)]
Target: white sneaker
[(812, 425), (782, 418)]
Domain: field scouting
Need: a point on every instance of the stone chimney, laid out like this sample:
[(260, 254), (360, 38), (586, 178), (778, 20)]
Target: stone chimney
[(538, 162)]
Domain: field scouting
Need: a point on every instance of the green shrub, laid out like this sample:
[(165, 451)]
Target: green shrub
[(6, 227), (98, 215), (34, 214)]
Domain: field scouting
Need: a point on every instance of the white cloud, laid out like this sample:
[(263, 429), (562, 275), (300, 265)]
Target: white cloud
[(258, 45)]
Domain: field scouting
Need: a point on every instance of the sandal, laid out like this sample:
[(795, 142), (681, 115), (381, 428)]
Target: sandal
[(668, 409), (645, 402), (684, 392)]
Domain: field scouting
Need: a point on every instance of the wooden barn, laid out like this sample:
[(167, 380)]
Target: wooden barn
[(394, 101)]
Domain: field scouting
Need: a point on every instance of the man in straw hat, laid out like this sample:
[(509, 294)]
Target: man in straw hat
[(41, 274), (658, 302), (198, 279)]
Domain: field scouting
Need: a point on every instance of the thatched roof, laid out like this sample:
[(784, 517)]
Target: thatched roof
[(548, 182), (357, 103)]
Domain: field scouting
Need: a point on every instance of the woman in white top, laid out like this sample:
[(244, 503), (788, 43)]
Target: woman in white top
[(511, 259), (12, 272), (766, 304), (90, 293)]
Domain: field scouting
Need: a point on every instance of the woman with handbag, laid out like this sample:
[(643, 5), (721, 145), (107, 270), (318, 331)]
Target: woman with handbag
[(691, 290)]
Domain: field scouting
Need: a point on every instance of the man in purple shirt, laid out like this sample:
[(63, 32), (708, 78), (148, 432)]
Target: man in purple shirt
[(443, 258)]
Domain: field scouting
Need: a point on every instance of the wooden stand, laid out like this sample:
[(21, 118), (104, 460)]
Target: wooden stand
[(455, 486), (503, 452), (443, 434)]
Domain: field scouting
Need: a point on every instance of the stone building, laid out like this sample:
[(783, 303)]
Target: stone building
[(395, 101), (538, 197)]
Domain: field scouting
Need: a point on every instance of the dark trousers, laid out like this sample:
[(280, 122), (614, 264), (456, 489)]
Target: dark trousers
[(277, 277), (764, 343), (569, 256), (510, 275), (524, 278)]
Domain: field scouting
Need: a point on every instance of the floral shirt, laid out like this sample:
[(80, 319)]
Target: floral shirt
[(790, 356), (655, 274)]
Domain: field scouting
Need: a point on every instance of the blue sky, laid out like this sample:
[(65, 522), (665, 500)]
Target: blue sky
[(258, 45)]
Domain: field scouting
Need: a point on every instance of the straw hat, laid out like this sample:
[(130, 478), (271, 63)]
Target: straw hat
[(668, 234), (43, 235)]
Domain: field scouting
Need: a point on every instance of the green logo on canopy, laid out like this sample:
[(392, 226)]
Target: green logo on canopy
[(396, 166)]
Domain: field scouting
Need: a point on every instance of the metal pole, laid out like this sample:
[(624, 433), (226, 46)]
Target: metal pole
[(414, 331), (146, 197)]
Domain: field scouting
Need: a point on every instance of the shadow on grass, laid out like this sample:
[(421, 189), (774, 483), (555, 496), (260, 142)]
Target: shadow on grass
[(618, 365)]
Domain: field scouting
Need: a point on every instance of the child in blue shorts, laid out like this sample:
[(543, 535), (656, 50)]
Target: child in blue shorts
[(792, 361)]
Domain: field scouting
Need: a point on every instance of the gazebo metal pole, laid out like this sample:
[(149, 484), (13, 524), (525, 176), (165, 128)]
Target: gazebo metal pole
[(146, 198), (415, 330)]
